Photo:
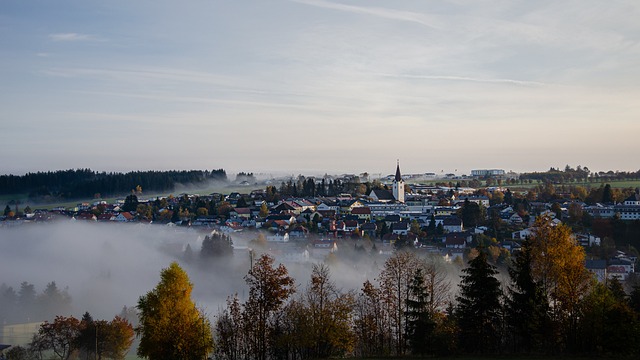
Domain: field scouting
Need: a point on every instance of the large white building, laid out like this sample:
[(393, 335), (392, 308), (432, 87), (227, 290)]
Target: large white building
[(487, 172), (631, 208)]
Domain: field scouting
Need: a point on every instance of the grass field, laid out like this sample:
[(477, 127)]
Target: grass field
[(621, 184), (223, 189)]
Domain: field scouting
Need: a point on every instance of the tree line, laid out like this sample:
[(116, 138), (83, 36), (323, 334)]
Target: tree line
[(83, 183), (578, 174), (549, 305), (27, 305), (71, 338)]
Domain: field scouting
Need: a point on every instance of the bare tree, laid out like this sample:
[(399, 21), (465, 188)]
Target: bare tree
[(437, 284), (395, 281)]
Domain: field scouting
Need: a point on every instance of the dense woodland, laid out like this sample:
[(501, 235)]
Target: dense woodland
[(85, 183)]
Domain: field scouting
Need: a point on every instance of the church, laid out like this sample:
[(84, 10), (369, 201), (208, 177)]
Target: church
[(398, 185), (397, 190)]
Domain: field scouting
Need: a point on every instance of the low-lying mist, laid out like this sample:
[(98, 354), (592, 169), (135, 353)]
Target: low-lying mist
[(105, 267)]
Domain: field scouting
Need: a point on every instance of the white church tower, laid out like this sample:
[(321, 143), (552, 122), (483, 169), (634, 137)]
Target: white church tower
[(398, 185)]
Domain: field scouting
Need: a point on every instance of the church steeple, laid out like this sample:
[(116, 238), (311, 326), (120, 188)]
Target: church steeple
[(398, 176), (398, 185)]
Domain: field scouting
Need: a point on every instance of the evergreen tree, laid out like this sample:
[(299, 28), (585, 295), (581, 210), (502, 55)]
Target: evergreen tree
[(87, 338), (615, 286), (216, 245), (527, 307), (508, 197), (420, 326), (607, 194), (470, 213), (479, 308), (130, 203)]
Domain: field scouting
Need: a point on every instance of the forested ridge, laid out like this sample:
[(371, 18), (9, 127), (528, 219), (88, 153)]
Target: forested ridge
[(82, 183)]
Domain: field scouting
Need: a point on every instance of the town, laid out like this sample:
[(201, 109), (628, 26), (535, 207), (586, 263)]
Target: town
[(307, 219), (530, 263)]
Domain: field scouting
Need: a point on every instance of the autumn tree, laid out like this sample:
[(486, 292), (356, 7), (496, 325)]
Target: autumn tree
[(114, 338), (558, 265), (171, 326), (100, 339), (329, 315), (269, 289), (371, 323), (59, 336), (479, 308), (264, 210), (608, 324)]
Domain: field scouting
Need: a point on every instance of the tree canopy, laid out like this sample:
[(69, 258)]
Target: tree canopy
[(171, 326)]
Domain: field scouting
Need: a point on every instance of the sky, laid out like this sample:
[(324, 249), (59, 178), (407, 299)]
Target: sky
[(319, 86)]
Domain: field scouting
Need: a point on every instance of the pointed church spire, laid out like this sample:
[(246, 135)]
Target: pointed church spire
[(398, 176)]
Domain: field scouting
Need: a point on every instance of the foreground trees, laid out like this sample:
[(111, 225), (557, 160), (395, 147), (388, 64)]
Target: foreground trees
[(65, 337), (395, 282), (171, 326), (254, 330)]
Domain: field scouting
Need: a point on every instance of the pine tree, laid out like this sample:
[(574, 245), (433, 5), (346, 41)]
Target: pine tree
[(479, 308), (527, 307), (419, 323)]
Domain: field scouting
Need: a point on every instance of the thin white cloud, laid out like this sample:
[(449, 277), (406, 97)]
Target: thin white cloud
[(136, 75), (470, 79), (70, 37), (391, 14)]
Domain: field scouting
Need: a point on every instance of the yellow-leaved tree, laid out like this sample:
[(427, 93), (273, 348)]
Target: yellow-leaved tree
[(171, 326), (558, 264)]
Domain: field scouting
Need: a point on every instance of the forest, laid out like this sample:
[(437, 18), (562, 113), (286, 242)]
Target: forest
[(85, 183)]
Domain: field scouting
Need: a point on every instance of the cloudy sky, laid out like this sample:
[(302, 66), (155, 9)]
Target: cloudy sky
[(306, 86)]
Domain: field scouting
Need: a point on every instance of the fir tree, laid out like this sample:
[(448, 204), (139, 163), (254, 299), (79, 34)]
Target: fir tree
[(527, 307), (419, 323), (479, 309)]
